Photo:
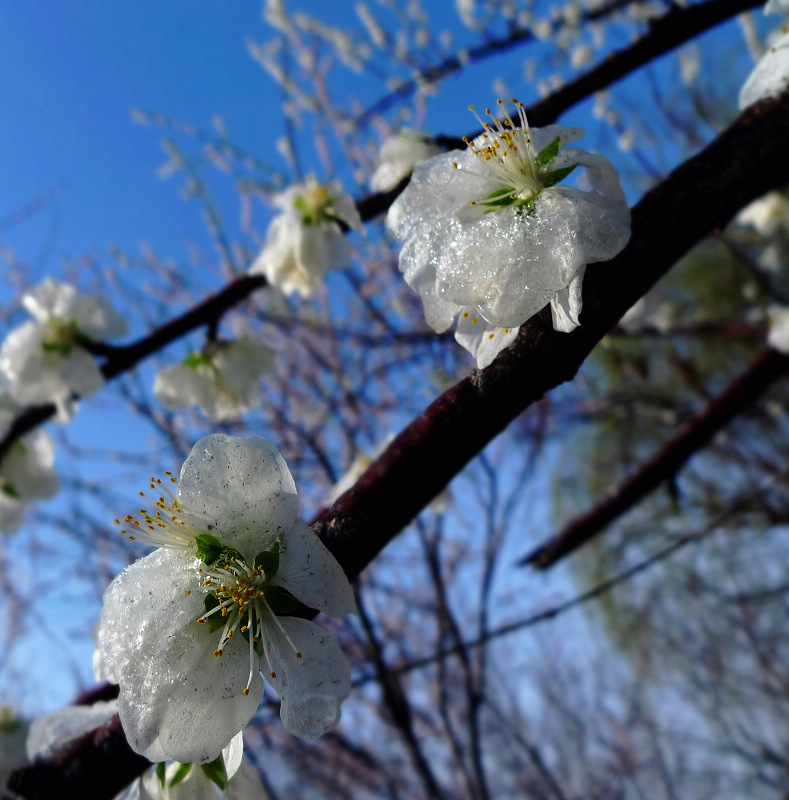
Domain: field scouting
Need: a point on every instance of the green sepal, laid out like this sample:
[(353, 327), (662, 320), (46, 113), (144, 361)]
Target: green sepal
[(9, 490), (268, 559), (197, 359), (61, 348), (498, 199), (215, 621), (160, 772), (552, 178), (280, 601), (182, 771), (548, 153), (209, 548), (215, 771)]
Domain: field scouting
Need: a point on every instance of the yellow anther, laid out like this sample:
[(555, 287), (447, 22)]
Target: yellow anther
[(187, 592), (273, 674)]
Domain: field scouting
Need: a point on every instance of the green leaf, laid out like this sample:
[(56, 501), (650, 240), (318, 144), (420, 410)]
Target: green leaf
[(215, 621), (209, 548), (268, 559), (182, 771), (215, 771), (281, 602), (552, 178), (160, 772), (548, 153), (8, 489)]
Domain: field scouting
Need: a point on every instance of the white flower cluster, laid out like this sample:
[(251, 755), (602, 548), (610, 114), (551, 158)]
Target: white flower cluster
[(307, 238), (221, 379), (770, 76), (489, 237), (45, 360), (186, 630)]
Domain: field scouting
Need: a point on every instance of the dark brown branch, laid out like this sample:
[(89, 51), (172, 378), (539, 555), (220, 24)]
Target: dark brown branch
[(680, 25), (666, 463), (698, 198)]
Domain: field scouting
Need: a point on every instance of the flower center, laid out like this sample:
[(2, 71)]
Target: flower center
[(61, 336), (317, 205), (506, 149)]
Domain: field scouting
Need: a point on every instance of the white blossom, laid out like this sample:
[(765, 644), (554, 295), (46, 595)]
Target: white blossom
[(399, 154), (778, 334), (769, 215), (245, 784), (186, 629), (45, 361), (489, 237), (25, 470), (222, 379), (770, 76), (307, 239)]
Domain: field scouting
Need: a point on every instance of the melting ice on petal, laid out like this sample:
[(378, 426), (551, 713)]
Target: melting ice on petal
[(307, 238), (222, 379), (186, 630), (489, 231), (45, 360)]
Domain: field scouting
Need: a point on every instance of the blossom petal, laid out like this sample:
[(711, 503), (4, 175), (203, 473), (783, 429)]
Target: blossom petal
[(770, 76), (312, 687), (177, 699), (312, 575), (233, 754), (483, 340), (238, 489), (566, 306)]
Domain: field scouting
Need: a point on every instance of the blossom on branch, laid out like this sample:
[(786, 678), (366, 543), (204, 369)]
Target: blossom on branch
[(399, 154), (489, 237), (222, 379), (186, 629), (307, 238), (770, 76), (25, 469), (46, 361)]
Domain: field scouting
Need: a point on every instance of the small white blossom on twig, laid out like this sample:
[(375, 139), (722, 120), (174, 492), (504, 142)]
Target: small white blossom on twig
[(307, 238), (45, 361), (222, 379)]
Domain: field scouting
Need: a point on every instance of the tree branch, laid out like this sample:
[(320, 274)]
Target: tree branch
[(666, 463)]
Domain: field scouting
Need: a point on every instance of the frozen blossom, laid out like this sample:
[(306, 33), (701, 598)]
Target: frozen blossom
[(399, 154), (769, 215), (770, 76), (45, 360), (26, 471), (222, 379), (307, 238), (489, 237), (186, 630)]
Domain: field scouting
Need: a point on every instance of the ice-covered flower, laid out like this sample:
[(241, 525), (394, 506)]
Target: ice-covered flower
[(186, 629), (307, 238), (25, 470), (489, 237), (45, 360), (399, 154), (770, 76), (51, 732), (222, 379)]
